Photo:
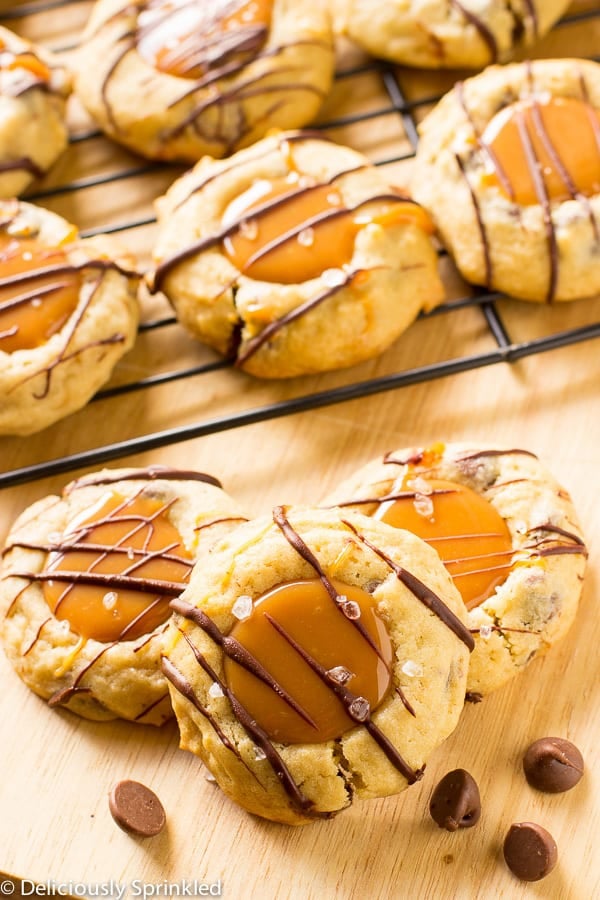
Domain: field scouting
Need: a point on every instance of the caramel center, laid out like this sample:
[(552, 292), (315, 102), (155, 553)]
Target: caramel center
[(550, 148), (125, 537), (471, 538), (34, 305), (296, 631), (188, 38)]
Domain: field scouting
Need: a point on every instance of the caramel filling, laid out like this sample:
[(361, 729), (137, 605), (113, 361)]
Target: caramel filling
[(186, 38), (550, 147), (35, 306), (291, 230), (296, 629), (470, 537), (127, 537)]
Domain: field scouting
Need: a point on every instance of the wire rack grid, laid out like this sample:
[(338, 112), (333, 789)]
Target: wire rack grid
[(394, 101)]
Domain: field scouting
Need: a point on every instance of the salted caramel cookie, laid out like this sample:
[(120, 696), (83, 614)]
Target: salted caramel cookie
[(509, 168), (294, 256), (34, 88), (445, 33), (68, 313), (505, 530), (176, 80), (316, 658), (86, 582)]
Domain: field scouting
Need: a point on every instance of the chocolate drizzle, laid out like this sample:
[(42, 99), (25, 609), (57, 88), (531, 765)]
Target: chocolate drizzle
[(423, 593), (485, 34), (151, 473), (22, 164), (485, 244)]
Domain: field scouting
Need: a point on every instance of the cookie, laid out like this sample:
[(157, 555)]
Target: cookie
[(509, 167), (316, 658), (507, 533), (34, 88), (174, 81), (294, 256), (86, 583), (68, 313), (445, 33)]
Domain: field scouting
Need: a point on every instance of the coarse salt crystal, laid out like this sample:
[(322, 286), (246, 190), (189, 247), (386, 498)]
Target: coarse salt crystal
[(350, 609), (109, 600), (420, 485), (306, 237), (242, 607), (210, 777), (423, 505), (259, 753), (333, 277), (485, 631), (215, 690), (412, 669), (340, 674), (131, 553), (359, 709), (334, 199), (249, 229)]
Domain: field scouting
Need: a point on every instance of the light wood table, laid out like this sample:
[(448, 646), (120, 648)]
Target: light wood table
[(57, 770)]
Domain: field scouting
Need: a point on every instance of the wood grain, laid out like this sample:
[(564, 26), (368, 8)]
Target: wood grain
[(57, 770)]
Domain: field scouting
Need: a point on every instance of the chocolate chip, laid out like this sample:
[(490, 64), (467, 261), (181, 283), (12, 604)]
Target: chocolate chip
[(455, 802), (553, 765), (530, 851), (136, 809)]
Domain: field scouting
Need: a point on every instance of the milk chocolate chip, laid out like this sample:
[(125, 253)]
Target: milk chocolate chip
[(553, 765), (136, 809), (530, 851), (455, 802)]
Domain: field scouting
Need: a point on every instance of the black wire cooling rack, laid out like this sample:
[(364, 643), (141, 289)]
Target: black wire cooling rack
[(507, 349)]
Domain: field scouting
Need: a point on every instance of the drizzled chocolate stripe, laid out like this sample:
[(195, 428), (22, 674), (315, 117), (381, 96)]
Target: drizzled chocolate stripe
[(555, 529), (295, 541), (484, 32), (399, 495), (485, 244), (459, 90), (238, 653), (143, 585), (130, 552), (533, 17), (357, 708), (257, 734), (15, 302), (424, 594), (151, 473), (543, 200)]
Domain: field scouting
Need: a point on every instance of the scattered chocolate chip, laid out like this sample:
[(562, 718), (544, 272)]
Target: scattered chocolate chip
[(553, 765), (530, 851), (455, 802), (136, 809)]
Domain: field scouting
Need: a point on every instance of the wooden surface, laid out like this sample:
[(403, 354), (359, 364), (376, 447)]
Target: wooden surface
[(57, 770)]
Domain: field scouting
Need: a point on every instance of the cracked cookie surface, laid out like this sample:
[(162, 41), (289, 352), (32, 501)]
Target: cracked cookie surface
[(86, 582), (68, 313), (316, 658), (445, 33), (173, 81), (34, 88), (508, 166), (294, 256), (507, 531)]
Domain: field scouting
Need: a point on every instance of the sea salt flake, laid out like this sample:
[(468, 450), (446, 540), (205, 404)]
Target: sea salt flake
[(27, 256), (249, 229), (242, 607), (64, 626), (36, 302), (131, 553), (306, 237), (334, 199), (215, 690), (333, 277), (412, 669), (210, 777), (109, 600), (485, 631), (423, 505), (340, 674), (359, 709), (350, 609), (420, 485), (259, 753)]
